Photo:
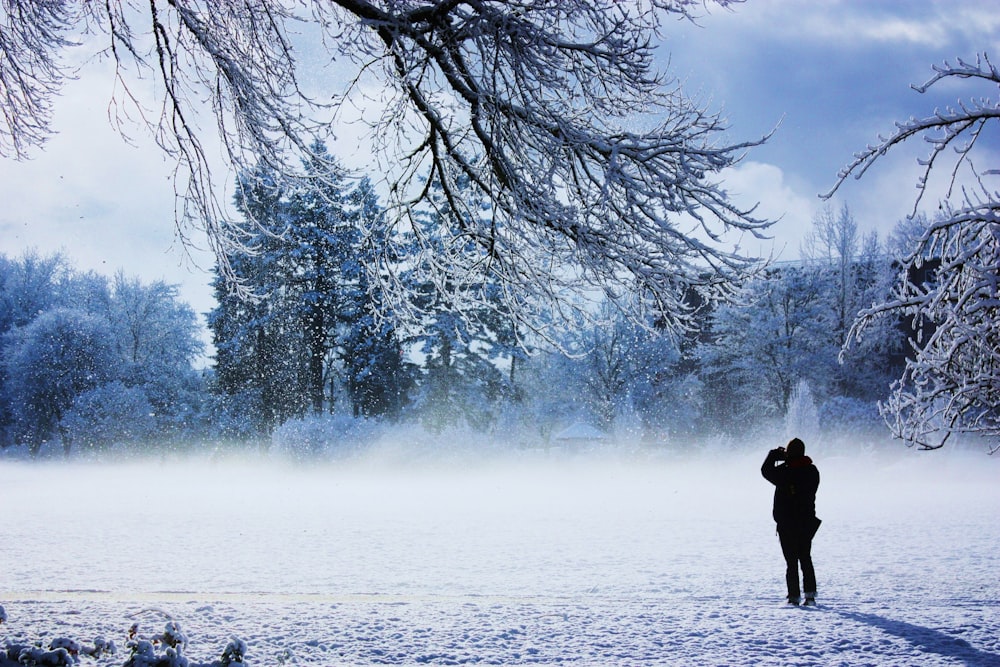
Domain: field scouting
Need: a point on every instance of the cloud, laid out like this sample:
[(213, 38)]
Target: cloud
[(105, 203), (790, 205), (866, 28), (888, 192), (852, 25)]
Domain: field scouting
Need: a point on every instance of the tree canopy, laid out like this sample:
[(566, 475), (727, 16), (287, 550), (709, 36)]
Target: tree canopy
[(95, 361), (602, 175)]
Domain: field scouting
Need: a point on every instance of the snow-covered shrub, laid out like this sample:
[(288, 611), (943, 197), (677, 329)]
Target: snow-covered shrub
[(165, 649), (71, 645), (109, 415), (143, 654), (10, 653), (326, 436), (62, 652), (100, 648), (33, 656), (233, 654), (172, 636)]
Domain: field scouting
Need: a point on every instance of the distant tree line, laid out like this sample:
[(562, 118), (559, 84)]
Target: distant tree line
[(861, 332), (319, 338), (865, 331), (738, 371), (90, 361)]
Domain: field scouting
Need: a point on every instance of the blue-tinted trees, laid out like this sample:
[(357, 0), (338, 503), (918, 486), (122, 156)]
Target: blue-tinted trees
[(856, 270), (611, 373), (30, 285), (376, 374), (322, 232), (116, 367), (157, 340), (610, 363), (109, 414), (59, 356), (459, 382), (255, 371), (761, 348)]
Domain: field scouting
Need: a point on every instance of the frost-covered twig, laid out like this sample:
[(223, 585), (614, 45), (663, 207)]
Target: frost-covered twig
[(956, 127)]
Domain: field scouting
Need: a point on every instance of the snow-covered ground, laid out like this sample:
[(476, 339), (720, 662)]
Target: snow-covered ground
[(586, 560)]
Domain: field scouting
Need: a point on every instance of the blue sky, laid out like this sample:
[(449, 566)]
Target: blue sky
[(833, 73)]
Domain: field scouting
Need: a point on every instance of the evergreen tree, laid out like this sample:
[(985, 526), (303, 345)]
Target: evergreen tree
[(378, 378), (463, 324), (256, 363), (459, 381), (312, 325), (322, 235)]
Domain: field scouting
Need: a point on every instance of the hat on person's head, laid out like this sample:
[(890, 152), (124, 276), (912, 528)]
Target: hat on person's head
[(795, 448)]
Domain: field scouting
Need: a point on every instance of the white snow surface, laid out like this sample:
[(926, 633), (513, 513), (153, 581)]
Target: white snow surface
[(605, 560)]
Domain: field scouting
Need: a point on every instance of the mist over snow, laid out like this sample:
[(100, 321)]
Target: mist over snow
[(607, 557)]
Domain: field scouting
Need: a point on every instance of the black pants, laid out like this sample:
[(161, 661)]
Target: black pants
[(796, 547)]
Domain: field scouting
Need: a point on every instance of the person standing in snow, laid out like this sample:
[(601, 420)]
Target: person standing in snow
[(795, 480)]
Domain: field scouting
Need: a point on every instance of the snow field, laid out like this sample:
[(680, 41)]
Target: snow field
[(588, 560)]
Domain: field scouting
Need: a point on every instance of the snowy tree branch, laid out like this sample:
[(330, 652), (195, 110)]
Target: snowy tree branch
[(951, 382), (941, 130), (601, 175)]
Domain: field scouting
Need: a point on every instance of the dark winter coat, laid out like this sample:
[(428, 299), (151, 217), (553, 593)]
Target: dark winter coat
[(795, 483)]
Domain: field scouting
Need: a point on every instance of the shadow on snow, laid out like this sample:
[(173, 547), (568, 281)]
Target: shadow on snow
[(928, 639)]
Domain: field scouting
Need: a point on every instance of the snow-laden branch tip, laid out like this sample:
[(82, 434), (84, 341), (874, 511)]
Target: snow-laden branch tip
[(941, 130)]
